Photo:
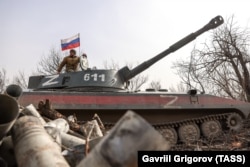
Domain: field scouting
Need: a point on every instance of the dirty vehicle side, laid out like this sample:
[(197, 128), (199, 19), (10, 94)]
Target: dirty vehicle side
[(179, 117)]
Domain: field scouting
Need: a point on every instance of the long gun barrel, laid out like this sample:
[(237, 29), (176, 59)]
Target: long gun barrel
[(127, 74)]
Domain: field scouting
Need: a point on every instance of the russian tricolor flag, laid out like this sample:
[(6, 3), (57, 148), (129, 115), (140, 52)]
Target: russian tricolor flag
[(71, 42)]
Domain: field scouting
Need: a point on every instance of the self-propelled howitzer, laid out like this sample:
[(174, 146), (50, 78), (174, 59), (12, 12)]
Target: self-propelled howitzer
[(109, 80), (178, 116)]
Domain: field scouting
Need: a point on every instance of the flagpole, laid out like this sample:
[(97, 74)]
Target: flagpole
[(79, 50), (79, 45)]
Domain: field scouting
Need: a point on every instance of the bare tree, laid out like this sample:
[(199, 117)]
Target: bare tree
[(155, 85), (21, 80), (49, 64), (135, 83), (3, 80), (191, 77), (179, 88), (111, 65), (222, 66)]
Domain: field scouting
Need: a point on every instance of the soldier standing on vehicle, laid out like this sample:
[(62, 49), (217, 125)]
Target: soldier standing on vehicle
[(70, 61)]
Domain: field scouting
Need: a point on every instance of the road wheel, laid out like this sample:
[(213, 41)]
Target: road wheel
[(171, 135), (234, 122), (189, 133), (211, 128)]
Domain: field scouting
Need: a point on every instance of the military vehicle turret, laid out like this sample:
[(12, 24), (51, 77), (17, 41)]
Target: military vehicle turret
[(179, 117), (109, 80)]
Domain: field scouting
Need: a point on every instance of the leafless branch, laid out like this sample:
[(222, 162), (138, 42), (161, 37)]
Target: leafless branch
[(222, 66)]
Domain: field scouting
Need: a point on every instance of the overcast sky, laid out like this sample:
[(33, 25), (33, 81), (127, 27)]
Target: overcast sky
[(125, 31)]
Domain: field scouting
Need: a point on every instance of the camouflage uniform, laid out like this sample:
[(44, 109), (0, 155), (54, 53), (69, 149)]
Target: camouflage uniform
[(71, 63)]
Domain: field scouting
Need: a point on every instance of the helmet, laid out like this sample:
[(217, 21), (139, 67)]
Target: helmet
[(84, 55)]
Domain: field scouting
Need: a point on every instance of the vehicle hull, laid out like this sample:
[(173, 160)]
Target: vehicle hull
[(154, 107)]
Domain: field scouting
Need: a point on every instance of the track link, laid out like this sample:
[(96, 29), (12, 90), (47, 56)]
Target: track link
[(222, 118)]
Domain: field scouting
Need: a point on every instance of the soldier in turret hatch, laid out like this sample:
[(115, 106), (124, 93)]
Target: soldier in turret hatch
[(84, 64), (70, 61)]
